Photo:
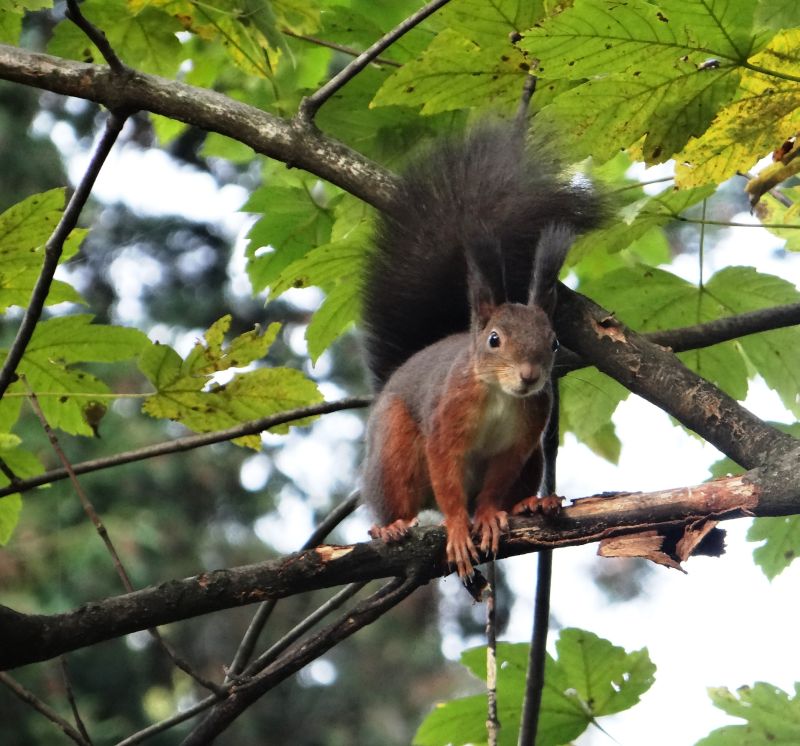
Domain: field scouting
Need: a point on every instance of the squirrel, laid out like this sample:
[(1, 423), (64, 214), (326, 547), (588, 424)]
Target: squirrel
[(458, 301)]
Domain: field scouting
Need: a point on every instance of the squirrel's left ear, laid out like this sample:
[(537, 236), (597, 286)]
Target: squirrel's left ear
[(551, 251)]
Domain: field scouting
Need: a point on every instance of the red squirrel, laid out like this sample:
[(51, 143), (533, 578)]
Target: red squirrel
[(458, 299)]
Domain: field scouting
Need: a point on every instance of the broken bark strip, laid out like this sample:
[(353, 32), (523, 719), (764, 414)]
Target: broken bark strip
[(28, 638)]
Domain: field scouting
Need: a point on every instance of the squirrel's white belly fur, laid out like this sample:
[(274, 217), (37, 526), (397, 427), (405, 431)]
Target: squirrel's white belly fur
[(500, 423)]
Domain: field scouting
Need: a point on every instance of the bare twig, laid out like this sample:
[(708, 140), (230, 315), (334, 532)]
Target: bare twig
[(187, 443), (338, 48), (272, 653), (311, 104), (492, 721), (86, 503), (13, 479), (54, 247), (30, 698), (72, 702), (260, 618), (364, 613), (209, 110), (723, 330), (534, 682), (534, 678), (97, 37), (100, 527)]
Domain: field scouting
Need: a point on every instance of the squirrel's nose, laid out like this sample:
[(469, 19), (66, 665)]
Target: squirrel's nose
[(529, 373)]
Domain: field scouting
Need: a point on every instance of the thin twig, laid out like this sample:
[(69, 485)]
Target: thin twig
[(724, 330), (86, 503), (311, 104), (71, 699), (171, 722), (264, 611), (13, 479), (188, 442), (534, 683), (338, 47), (534, 680), (300, 655), (30, 698), (492, 721), (54, 247), (97, 37), (333, 603), (94, 517)]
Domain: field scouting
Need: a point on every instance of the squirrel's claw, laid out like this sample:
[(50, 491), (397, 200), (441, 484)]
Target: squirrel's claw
[(394, 531), (461, 550), (489, 526), (547, 505)]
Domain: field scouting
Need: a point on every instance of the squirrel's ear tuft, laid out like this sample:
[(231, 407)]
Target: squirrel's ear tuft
[(483, 296), (555, 241)]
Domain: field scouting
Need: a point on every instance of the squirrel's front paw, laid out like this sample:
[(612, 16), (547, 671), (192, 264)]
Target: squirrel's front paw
[(488, 526), (461, 551), (394, 531)]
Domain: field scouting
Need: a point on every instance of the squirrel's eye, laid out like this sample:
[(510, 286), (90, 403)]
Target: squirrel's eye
[(556, 344), (494, 339)]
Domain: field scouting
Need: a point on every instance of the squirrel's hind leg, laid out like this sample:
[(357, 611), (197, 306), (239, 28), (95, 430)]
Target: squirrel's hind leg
[(396, 476)]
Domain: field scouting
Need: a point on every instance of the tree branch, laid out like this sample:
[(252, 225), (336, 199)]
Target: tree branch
[(766, 491), (364, 613), (310, 105), (292, 143), (654, 373), (97, 36), (54, 247), (187, 443), (724, 330), (30, 698)]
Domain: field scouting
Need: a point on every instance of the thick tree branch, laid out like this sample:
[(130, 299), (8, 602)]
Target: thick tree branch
[(294, 143), (654, 373), (766, 491)]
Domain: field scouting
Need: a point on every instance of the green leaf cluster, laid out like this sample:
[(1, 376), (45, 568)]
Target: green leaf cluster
[(24, 230), (187, 392), (589, 678)]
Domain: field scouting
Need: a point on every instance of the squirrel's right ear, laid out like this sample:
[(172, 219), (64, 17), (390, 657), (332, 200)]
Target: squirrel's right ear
[(551, 251), (482, 301)]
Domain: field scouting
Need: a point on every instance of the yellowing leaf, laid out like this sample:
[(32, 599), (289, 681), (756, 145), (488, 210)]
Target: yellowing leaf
[(738, 136)]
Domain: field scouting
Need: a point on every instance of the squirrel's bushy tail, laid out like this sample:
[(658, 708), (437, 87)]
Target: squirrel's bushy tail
[(484, 190)]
